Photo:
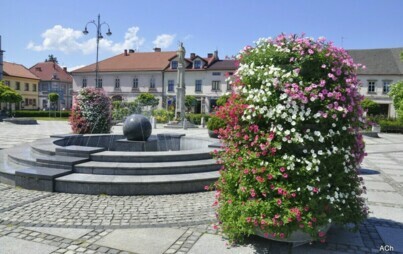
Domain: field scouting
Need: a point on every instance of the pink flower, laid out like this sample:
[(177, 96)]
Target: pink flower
[(310, 51), (270, 176), (282, 169), (282, 235), (321, 234), (206, 187), (279, 201), (285, 175)]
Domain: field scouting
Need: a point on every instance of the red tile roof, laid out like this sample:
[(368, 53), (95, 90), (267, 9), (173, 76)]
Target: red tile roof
[(47, 70), (138, 61), (17, 70)]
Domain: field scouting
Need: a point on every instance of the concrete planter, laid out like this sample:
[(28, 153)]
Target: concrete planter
[(212, 134), (296, 238), (376, 128)]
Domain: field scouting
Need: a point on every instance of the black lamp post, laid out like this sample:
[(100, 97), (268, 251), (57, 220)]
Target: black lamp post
[(99, 36)]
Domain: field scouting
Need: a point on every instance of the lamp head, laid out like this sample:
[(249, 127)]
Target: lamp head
[(85, 31), (109, 33)]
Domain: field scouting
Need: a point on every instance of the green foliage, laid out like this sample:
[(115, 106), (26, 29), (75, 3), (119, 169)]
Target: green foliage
[(393, 126), (120, 110), (215, 123), (190, 101), (371, 107), (31, 113), (91, 112), (53, 97), (222, 100), (163, 115), (196, 118), (396, 92), (147, 99), (8, 94)]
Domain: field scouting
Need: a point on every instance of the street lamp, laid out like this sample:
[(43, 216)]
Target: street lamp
[(98, 25)]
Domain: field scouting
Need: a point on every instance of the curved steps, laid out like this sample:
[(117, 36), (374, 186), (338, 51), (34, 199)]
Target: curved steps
[(135, 185)]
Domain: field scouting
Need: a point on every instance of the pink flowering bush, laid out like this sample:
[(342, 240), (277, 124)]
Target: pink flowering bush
[(91, 112), (291, 146)]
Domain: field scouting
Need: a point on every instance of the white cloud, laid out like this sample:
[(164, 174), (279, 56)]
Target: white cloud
[(68, 40), (188, 37), (164, 40), (74, 67)]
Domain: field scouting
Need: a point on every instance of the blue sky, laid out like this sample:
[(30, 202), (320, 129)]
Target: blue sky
[(31, 30)]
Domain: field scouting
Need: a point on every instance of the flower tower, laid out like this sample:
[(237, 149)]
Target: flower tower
[(291, 147)]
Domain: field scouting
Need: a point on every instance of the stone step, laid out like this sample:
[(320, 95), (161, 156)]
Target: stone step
[(23, 156), (146, 168), (38, 178), (78, 151), (165, 156), (135, 185)]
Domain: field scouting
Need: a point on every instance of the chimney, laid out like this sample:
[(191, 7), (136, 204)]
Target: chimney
[(131, 50), (126, 52), (209, 55), (192, 55), (157, 49), (1, 61), (216, 55), (65, 69)]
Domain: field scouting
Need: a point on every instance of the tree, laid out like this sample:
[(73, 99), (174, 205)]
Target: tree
[(52, 58), (147, 99), (190, 101), (9, 95), (396, 92), (371, 107)]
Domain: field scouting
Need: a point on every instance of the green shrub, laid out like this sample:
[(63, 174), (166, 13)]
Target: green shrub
[(163, 115), (392, 126), (196, 118), (215, 123), (31, 113), (371, 107)]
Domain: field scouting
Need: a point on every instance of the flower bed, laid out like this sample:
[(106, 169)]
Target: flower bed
[(291, 143)]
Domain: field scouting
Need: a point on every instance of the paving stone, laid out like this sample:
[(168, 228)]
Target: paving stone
[(339, 235), (390, 213), (392, 237), (12, 245), (142, 240), (385, 197), (71, 233), (215, 244)]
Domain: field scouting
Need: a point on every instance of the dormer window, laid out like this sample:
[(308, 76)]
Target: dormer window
[(197, 64), (174, 65)]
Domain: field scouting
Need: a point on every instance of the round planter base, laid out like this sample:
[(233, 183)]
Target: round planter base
[(296, 238)]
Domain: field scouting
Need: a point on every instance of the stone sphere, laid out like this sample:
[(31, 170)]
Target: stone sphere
[(137, 128)]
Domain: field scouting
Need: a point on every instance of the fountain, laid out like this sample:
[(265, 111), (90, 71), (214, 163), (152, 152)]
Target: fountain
[(136, 163)]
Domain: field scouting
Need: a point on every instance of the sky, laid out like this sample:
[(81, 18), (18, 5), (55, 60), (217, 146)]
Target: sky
[(32, 30)]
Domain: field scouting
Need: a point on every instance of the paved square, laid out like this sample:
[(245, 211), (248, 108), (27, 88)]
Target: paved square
[(11, 245), (70, 233)]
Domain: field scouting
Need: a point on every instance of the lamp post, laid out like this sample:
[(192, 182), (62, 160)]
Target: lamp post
[(98, 25)]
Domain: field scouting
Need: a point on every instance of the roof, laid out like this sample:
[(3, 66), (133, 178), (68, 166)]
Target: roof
[(17, 70), (47, 70), (137, 61), (223, 65), (378, 61)]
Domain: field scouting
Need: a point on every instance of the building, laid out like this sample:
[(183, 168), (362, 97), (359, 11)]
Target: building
[(205, 79), (383, 68), (127, 75), (53, 79), (24, 82)]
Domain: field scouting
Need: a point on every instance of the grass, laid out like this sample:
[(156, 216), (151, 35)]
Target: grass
[(51, 118)]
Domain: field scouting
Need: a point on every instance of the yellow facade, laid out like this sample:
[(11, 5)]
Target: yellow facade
[(28, 88)]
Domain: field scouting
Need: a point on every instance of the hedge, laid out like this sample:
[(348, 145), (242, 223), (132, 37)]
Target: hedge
[(196, 118), (391, 126), (29, 113)]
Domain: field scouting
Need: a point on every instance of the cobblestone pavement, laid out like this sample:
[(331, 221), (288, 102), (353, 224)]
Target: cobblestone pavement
[(42, 222)]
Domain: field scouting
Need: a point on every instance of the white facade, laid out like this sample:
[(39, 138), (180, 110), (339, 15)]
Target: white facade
[(375, 87), (128, 85)]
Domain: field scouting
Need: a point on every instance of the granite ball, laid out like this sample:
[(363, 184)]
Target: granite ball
[(137, 128)]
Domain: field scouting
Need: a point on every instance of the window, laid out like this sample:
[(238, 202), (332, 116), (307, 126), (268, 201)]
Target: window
[(386, 86), (84, 83), (117, 83), (216, 73), (26, 102), (174, 65), (26, 87), (7, 83), (198, 85), (99, 83), (34, 87), (17, 86), (170, 85), (152, 83), (135, 83), (215, 86), (197, 64), (34, 102), (229, 86), (371, 86)]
